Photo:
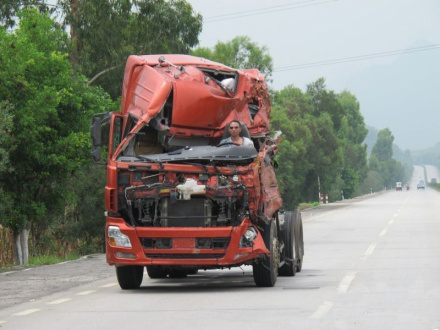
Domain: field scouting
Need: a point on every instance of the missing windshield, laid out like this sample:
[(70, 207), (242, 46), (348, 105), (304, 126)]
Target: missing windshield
[(227, 79)]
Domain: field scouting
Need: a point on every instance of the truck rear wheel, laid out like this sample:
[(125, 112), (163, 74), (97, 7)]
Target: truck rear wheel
[(265, 271), (299, 240), (156, 272), (129, 277), (288, 237)]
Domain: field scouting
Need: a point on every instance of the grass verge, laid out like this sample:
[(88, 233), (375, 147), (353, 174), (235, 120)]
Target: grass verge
[(39, 261), (50, 260), (303, 206)]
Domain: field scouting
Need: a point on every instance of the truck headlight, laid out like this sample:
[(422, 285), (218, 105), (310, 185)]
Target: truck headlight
[(248, 237), (117, 238)]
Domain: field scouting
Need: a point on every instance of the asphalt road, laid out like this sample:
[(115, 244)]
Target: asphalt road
[(370, 263)]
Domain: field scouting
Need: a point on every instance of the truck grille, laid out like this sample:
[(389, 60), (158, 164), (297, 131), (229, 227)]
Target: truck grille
[(184, 256)]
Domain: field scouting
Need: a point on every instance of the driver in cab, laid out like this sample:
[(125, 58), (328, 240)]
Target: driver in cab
[(235, 136)]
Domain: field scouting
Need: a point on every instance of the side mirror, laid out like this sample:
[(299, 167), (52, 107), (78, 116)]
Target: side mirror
[(99, 131)]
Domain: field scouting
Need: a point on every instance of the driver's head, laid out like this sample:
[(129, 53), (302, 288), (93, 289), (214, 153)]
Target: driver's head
[(234, 128)]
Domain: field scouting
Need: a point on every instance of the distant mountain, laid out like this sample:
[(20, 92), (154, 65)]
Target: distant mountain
[(429, 156), (404, 97)]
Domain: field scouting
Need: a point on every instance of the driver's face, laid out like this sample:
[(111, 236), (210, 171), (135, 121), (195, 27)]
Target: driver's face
[(234, 129)]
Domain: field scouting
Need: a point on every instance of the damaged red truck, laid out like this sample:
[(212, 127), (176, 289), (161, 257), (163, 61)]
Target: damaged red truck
[(177, 200)]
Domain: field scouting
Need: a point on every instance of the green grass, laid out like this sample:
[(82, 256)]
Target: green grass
[(49, 260), (39, 261), (303, 206), (434, 185)]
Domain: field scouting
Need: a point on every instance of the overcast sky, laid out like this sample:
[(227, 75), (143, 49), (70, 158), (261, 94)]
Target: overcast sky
[(312, 31)]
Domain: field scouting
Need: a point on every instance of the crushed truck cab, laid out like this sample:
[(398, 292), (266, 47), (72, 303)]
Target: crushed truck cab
[(177, 200)]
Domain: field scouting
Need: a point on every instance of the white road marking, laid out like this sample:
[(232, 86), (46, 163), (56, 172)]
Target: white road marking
[(27, 312), (370, 249), (322, 310), (2, 321), (395, 215), (391, 221), (85, 293), (383, 232), (109, 285), (59, 301), (62, 263), (6, 273), (345, 283), (322, 215)]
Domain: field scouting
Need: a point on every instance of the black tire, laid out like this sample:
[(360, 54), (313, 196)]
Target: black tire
[(130, 277), (192, 271), (156, 272), (265, 271), (299, 240), (288, 236), (178, 273)]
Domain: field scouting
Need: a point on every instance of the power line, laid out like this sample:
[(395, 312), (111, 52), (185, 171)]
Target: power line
[(357, 58), (265, 10), (260, 9)]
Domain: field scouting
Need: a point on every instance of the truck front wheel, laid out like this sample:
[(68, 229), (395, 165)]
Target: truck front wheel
[(129, 277), (265, 271)]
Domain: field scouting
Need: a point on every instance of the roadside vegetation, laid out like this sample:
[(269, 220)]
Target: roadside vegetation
[(434, 186), (61, 64)]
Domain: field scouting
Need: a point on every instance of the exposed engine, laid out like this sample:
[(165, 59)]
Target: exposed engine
[(178, 200)]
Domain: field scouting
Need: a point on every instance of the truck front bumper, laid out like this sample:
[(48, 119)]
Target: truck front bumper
[(184, 246)]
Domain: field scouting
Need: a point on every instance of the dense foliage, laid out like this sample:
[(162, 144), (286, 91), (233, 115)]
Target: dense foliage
[(382, 161), (50, 107), (240, 53), (105, 33), (322, 148)]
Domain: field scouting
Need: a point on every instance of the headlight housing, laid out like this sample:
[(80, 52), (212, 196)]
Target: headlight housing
[(248, 238), (117, 238)]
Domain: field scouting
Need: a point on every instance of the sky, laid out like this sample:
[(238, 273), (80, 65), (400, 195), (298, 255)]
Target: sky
[(315, 31)]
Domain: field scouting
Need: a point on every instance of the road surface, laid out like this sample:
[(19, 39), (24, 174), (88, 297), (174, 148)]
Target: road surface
[(370, 263)]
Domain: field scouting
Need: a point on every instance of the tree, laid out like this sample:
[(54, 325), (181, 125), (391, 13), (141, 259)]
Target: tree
[(240, 53), (105, 33), (327, 151), (7, 144), (355, 152), (290, 114), (383, 148), (6, 138), (51, 108), (382, 162), (10, 8), (322, 142)]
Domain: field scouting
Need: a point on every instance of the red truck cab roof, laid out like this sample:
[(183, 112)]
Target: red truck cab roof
[(191, 98)]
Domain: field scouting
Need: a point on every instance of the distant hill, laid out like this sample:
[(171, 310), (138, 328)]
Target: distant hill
[(404, 97), (429, 156)]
